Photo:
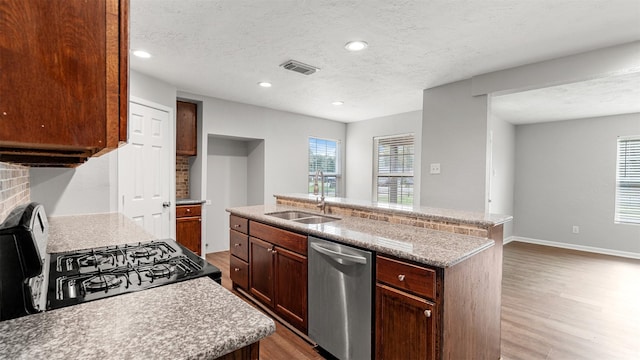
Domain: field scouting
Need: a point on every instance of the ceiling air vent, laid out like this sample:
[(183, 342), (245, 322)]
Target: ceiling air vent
[(299, 67)]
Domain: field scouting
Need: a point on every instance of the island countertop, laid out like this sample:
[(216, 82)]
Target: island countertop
[(194, 319), (431, 247), (424, 212)]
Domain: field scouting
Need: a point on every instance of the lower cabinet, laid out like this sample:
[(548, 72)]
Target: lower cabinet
[(406, 315), (291, 287), (189, 227), (405, 325), (278, 272), (239, 249)]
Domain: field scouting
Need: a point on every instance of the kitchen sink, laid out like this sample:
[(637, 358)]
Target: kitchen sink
[(303, 217)]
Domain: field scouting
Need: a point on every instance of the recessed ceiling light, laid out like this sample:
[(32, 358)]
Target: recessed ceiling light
[(337, 103), (264, 84), (356, 45), (142, 54)]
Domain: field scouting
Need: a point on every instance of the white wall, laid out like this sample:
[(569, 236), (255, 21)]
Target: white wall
[(565, 176), (285, 139), (93, 186), (454, 134), (501, 173), (226, 187), (359, 149), (89, 188)]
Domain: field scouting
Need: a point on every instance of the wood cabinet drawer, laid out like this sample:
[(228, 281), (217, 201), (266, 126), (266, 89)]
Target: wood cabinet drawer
[(239, 224), (188, 210), (412, 278), (239, 272), (286, 239), (239, 245)]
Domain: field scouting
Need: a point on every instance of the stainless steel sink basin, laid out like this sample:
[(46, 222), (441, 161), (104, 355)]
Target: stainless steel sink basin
[(303, 217), (291, 215)]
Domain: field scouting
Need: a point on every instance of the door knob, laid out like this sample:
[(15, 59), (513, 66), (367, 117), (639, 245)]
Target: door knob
[(166, 204)]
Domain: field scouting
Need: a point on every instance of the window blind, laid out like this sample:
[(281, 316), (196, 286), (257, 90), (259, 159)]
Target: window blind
[(393, 174), (628, 181), (324, 156)]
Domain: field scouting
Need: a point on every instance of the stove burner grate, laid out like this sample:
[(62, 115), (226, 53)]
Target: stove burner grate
[(161, 270), (101, 282), (144, 252), (96, 259)]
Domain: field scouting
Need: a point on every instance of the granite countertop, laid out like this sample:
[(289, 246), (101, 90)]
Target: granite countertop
[(67, 233), (431, 247), (194, 319), (189, 202), (464, 217)]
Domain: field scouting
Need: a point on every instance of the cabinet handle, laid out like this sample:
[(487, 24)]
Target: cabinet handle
[(236, 269), (236, 225), (269, 250), (236, 245), (273, 252), (401, 277), (188, 210), (427, 313)]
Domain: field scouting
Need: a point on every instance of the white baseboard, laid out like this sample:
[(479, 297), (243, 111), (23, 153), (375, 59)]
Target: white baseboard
[(626, 254), (508, 240)]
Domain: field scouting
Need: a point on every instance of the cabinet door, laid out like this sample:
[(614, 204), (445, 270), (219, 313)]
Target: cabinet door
[(186, 138), (63, 79), (405, 325), (188, 233), (261, 279), (291, 287)]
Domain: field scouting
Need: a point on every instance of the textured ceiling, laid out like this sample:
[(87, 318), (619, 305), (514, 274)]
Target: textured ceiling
[(598, 97), (223, 48)]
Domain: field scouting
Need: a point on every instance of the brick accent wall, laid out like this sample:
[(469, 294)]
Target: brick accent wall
[(447, 226), (182, 177), (14, 187)]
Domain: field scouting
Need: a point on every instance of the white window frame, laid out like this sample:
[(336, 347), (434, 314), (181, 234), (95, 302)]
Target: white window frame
[(377, 174), (627, 208), (337, 174)]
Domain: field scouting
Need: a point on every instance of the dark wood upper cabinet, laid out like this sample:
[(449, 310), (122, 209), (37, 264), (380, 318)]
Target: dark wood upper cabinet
[(63, 79), (186, 129)]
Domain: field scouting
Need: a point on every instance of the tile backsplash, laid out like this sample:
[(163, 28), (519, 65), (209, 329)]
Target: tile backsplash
[(14, 187)]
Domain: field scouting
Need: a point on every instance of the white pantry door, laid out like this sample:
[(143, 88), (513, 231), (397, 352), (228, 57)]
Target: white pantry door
[(143, 170)]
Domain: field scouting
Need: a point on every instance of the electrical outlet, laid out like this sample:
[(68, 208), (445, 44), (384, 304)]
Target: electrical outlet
[(434, 168), (576, 229)]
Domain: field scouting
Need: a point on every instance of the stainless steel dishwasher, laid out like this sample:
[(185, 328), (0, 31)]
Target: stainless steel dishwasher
[(340, 299)]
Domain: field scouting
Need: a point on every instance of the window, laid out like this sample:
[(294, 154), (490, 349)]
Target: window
[(393, 169), (324, 156), (628, 181)]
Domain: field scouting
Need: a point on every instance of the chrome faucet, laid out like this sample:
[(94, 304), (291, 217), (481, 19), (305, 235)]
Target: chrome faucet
[(321, 204)]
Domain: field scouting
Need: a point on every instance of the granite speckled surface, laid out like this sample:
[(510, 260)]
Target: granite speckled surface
[(195, 319), (76, 232), (431, 247), (465, 217), (189, 202)]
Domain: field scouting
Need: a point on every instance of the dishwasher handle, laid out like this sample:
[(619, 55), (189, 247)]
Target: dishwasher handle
[(338, 256)]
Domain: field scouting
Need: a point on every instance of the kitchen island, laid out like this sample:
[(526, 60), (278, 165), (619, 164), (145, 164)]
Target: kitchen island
[(194, 319), (437, 279)]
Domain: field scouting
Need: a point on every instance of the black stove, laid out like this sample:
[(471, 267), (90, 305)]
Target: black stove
[(32, 280), (85, 275)]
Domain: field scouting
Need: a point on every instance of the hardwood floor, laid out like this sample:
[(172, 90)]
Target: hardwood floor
[(566, 304), (556, 304)]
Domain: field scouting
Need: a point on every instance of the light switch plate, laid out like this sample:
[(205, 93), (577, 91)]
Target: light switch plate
[(434, 168)]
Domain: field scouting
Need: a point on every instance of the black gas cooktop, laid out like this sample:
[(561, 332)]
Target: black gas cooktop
[(91, 274)]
